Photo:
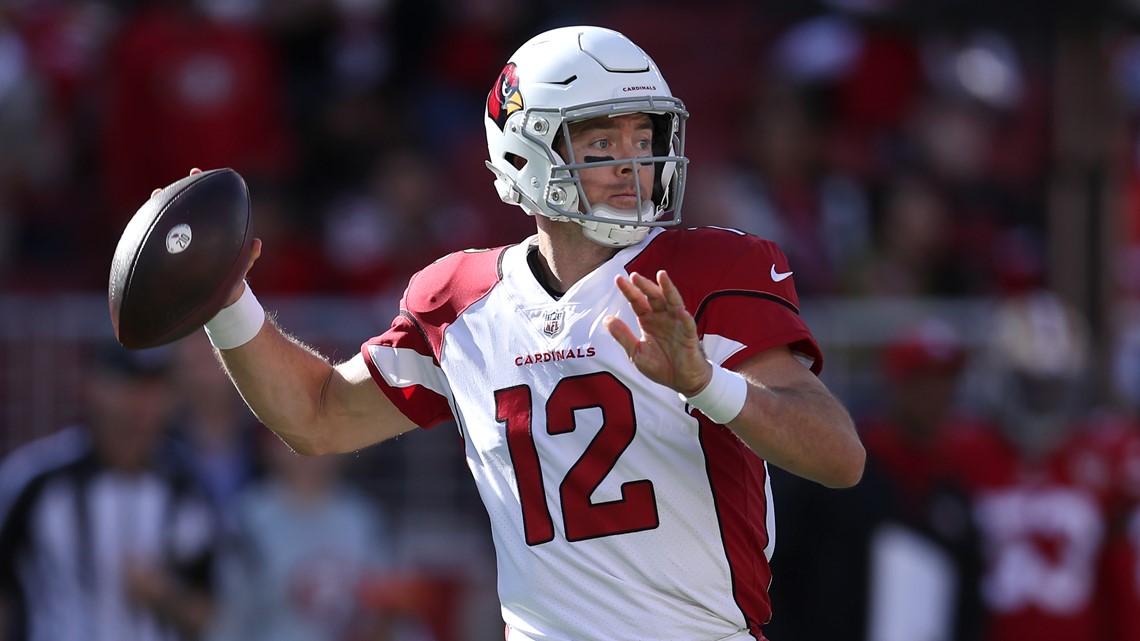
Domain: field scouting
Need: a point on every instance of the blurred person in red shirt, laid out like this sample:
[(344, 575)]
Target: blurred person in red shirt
[(929, 541), (1041, 477), (188, 88)]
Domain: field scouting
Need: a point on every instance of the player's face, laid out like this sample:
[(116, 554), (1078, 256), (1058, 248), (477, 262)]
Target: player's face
[(619, 137)]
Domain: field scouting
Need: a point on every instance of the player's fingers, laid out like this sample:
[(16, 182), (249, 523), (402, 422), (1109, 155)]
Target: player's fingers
[(669, 291), (193, 171), (634, 295), (651, 291), (646, 285), (254, 251), (254, 254), (621, 333)]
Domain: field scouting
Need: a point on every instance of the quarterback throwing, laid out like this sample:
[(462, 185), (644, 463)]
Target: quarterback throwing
[(621, 383)]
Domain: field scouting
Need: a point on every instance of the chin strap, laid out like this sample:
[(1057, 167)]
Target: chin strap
[(621, 228)]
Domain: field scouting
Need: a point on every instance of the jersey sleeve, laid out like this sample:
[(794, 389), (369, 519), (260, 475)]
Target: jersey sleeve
[(402, 365), (405, 361), (755, 304), (744, 299)]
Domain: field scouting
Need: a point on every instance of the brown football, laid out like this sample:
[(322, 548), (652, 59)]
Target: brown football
[(179, 257)]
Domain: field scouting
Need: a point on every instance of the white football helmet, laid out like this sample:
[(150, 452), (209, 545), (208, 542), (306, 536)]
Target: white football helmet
[(571, 74), (1038, 358)]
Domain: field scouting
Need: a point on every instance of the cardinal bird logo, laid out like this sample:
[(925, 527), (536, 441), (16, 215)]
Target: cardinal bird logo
[(504, 98)]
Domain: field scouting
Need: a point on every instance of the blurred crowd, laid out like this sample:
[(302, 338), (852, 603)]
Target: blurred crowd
[(890, 150), (895, 149), (167, 512), (1000, 502)]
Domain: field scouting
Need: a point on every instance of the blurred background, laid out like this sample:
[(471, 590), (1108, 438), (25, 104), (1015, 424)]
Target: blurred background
[(922, 163)]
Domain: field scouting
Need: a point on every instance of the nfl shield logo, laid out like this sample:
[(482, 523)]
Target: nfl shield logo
[(552, 321)]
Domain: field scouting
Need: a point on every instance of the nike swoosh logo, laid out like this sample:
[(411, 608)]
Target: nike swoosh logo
[(778, 276)]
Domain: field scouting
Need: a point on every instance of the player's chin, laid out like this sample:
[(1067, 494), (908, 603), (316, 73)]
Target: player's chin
[(622, 203)]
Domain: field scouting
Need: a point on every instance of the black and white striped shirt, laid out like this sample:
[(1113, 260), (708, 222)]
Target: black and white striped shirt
[(69, 525)]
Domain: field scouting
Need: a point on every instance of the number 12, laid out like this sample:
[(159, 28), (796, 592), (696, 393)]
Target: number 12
[(583, 519)]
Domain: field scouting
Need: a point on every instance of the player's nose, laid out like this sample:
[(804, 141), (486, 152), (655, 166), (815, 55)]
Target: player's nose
[(632, 163)]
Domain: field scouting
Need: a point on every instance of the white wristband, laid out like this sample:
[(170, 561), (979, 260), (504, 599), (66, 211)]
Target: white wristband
[(237, 324), (723, 398)]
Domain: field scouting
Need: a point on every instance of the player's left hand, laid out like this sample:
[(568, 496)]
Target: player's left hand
[(669, 351)]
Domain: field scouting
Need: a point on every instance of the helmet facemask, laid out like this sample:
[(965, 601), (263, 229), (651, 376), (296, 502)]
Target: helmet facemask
[(565, 195)]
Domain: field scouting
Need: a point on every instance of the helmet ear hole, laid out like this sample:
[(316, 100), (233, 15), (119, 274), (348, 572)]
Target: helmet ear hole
[(558, 144), (516, 160), (662, 146), (658, 188), (662, 133)]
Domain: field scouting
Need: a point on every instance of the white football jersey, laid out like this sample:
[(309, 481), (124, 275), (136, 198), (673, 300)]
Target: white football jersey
[(617, 511)]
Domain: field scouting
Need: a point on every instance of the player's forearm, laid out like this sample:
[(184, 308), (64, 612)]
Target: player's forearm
[(803, 430), (283, 383)]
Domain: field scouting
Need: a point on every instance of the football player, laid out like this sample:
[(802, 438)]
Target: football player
[(620, 383), (1041, 477)]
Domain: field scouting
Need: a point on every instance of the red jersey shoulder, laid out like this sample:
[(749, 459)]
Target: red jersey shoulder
[(441, 291), (705, 260)]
